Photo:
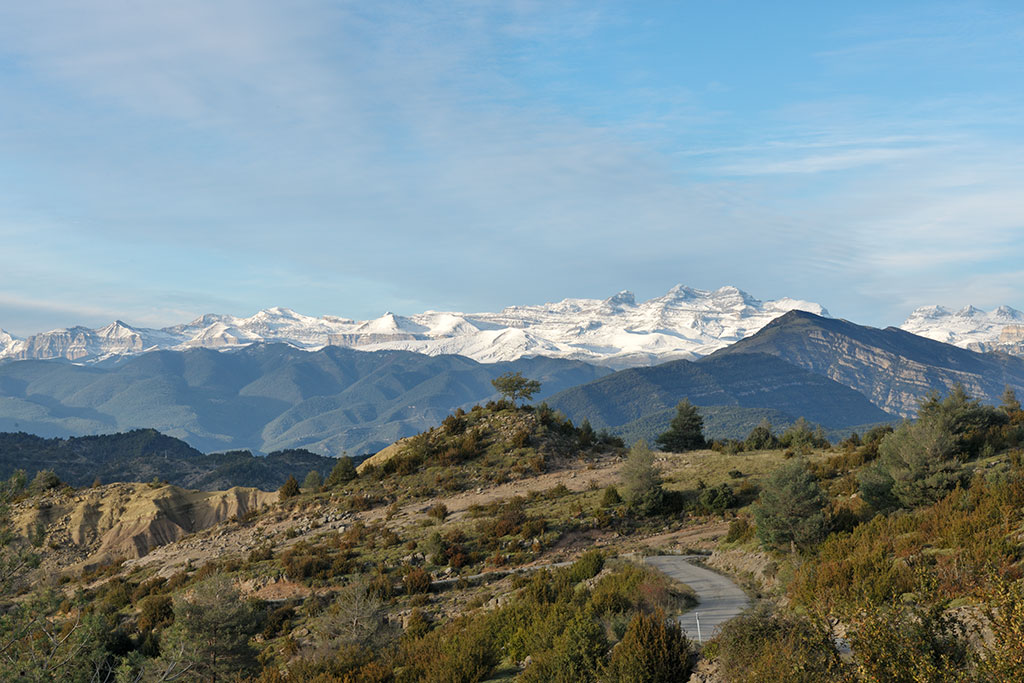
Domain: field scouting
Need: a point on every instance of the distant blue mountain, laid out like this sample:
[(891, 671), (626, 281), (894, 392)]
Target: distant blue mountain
[(264, 397)]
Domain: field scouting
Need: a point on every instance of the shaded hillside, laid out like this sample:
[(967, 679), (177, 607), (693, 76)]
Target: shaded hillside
[(720, 422), (763, 384), (893, 368), (263, 397), (145, 454)]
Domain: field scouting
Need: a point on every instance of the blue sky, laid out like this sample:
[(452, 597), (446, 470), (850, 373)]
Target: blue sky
[(163, 160)]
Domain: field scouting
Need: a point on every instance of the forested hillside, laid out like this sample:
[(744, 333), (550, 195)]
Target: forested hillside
[(742, 390), (146, 455)]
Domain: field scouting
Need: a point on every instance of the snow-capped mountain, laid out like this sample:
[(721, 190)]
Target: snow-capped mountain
[(1001, 329), (617, 331)]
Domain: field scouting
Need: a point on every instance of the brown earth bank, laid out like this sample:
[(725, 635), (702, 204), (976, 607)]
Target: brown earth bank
[(99, 525)]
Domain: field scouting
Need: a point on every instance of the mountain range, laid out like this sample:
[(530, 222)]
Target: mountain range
[(333, 385), (263, 397), (734, 392), (615, 332), (269, 397), (833, 372), (1001, 329)]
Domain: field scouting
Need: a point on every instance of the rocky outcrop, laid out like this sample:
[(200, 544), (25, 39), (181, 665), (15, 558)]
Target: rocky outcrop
[(124, 521)]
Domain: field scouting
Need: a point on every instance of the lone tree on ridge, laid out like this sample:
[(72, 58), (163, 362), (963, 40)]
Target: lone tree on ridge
[(513, 386)]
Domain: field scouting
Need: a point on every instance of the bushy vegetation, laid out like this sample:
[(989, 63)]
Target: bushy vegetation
[(386, 580), (926, 580), (499, 441), (920, 462)]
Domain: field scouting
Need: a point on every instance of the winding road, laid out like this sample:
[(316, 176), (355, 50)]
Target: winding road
[(720, 599)]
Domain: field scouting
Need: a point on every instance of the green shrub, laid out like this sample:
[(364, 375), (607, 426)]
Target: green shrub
[(587, 566), (438, 511), (155, 611), (611, 497), (740, 531), (653, 650), (416, 580), (761, 646)]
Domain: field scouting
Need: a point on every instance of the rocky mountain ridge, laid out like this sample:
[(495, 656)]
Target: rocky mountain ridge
[(616, 332), (893, 368)]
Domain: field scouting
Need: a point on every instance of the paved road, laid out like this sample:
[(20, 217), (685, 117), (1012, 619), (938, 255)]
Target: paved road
[(720, 599)]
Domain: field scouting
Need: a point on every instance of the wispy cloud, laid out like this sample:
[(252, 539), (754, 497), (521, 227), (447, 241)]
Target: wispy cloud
[(349, 158)]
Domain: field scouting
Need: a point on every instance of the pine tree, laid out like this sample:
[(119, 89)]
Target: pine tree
[(641, 480), (761, 437), (343, 471), (313, 481), (513, 386), (685, 432), (209, 639), (288, 489), (1010, 404), (790, 513)]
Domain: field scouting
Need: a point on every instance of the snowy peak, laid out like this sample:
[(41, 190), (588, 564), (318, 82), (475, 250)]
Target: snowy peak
[(1001, 329), (7, 341), (617, 331), (623, 298)]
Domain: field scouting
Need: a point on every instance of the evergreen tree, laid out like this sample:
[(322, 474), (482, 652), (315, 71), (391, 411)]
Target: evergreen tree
[(209, 639), (685, 432), (790, 513), (288, 489), (313, 481), (653, 650), (343, 471), (641, 480), (44, 481), (918, 464), (761, 437), (513, 386), (1010, 404), (801, 438)]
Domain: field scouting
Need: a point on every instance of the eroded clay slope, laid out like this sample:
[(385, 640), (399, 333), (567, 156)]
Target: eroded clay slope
[(105, 523)]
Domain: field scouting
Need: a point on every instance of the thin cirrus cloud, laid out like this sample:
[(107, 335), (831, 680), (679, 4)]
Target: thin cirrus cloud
[(170, 159)]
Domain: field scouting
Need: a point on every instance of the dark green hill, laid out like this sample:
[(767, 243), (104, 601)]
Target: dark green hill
[(743, 389), (720, 422), (145, 454), (893, 368), (263, 397)]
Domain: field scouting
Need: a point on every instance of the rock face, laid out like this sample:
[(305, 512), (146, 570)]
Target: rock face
[(893, 368), (617, 331), (125, 521)]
